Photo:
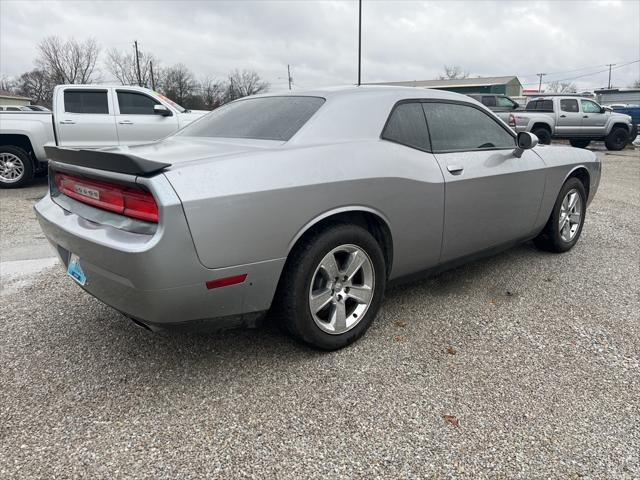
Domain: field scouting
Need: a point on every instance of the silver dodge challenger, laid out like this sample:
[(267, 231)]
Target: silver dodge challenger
[(305, 205)]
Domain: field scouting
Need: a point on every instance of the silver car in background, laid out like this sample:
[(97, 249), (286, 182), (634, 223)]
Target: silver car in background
[(306, 205)]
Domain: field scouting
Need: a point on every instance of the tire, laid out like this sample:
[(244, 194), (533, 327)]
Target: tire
[(310, 277), (543, 134), (553, 238), (617, 139), (16, 168), (579, 143)]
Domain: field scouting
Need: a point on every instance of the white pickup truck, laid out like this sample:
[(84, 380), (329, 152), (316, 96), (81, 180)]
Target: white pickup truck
[(579, 120), (85, 116)]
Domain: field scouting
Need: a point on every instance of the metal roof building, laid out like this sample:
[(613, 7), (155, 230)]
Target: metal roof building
[(509, 85)]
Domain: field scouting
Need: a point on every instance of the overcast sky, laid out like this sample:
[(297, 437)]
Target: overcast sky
[(401, 40)]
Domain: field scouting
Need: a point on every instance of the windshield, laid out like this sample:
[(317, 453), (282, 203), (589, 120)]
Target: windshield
[(264, 118), (170, 102)]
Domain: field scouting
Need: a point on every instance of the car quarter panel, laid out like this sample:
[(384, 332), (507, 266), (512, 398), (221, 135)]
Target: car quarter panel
[(561, 162), (256, 216)]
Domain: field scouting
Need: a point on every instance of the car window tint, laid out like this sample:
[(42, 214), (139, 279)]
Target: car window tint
[(540, 105), (489, 101), (86, 101), (407, 125), (505, 102), (463, 127), (132, 103), (266, 118), (569, 105), (589, 107)]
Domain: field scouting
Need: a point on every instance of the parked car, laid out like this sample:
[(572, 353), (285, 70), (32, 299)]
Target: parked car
[(579, 120), (501, 105), (306, 204), (87, 116), (634, 112)]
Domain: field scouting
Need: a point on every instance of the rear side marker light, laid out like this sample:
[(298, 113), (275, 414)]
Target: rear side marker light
[(130, 202), (227, 281)]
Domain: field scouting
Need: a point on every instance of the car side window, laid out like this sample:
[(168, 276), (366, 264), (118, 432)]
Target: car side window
[(133, 103), (489, 101), (86, 101), (407, 126), (589, 107), (569, 105), (505, 102), (463, 127)]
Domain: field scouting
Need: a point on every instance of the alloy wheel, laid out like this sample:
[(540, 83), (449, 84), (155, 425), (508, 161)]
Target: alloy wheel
[(341, 289), (570, 215), (11, 168)]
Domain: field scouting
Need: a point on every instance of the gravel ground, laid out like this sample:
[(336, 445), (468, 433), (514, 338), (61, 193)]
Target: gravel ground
[(524, 365)]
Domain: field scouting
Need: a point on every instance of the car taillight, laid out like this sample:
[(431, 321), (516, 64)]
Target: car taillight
[(512, 120), (127, 201)]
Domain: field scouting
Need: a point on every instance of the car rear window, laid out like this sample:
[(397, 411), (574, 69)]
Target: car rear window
[(540, 105), (265, 118)]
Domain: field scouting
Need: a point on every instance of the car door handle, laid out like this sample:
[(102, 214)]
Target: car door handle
[(67, 122), (585, 116), (455, 169), (563, 116), (126, 122)]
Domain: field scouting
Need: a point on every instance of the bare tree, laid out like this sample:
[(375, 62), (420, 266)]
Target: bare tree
[(452, 72), (179, 85), (561, 87), (243, 84), (36, 85), (68, 61), (635, 84), (212, 93), (7, 84), (122, 66)]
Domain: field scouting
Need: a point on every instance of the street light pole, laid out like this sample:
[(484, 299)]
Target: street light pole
[(610, 65)]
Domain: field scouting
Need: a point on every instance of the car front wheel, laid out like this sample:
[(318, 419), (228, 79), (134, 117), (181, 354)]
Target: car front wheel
[(16, 168), (564, 226), (617, 139), (332, 287)]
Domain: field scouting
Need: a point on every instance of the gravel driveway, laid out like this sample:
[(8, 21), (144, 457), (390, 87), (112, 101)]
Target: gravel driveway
[(524, 365)]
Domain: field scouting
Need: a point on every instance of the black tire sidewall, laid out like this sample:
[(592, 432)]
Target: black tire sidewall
[(300, 320), (558, 244), (617, 139), (544, 136), (28, 166)]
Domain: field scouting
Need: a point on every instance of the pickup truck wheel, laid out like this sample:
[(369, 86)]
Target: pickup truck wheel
[(16, 168), (332, 287), (564, 226), (617, 139), (543, 134), (579, 143)]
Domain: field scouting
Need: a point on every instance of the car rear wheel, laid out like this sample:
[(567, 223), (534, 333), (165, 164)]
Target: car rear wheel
[(564, 227), (332, 287), (579, 143), (617, 139), (16, 168), (543, 134)]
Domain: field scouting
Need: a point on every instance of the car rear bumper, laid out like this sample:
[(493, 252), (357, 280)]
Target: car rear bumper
[(156, 278)]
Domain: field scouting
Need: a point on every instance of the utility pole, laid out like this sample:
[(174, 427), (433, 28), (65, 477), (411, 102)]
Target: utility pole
[(153, 80), (289, 76), (540, 84), (610, 65), (359, 38), (135, 46)]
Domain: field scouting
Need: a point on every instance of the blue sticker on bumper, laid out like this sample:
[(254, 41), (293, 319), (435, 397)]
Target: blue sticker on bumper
[(74, 270)]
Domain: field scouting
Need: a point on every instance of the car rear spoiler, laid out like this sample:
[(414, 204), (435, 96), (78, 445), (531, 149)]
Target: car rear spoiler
[(111, 161)]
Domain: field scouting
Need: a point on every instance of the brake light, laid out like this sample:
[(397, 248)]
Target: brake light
[(512, 120), (127, 201)]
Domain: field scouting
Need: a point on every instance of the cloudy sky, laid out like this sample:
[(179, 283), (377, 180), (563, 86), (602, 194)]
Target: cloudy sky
[(401, 40)]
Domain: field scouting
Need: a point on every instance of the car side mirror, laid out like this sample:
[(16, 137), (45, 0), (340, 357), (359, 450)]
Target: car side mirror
[(525, 141), (516, 105), (605, 109), (162, 110)]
